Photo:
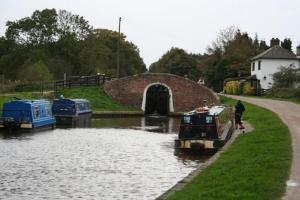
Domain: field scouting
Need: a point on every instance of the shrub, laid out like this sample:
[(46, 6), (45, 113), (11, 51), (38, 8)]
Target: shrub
[(285, 93), (247, 89), (232, 87)]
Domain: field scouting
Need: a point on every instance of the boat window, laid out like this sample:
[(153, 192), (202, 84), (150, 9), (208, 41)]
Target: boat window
[(77, 107), (36, 112), (48, 111), (209, 119), (187, 119)]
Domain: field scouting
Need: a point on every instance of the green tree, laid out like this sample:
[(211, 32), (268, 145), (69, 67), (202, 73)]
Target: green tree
[(37, 71), (177, 61), (47, 26), (228, 57), (99, 54), (287, 77), (287, 44), (40, 28)]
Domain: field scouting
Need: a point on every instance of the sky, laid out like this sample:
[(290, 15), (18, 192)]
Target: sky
[(157, 25)]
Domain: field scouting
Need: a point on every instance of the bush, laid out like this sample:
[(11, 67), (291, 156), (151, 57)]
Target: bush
[(247, 89), (232, 87), (285, 93)]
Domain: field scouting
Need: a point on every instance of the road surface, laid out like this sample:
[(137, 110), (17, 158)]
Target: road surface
[(289, 113)]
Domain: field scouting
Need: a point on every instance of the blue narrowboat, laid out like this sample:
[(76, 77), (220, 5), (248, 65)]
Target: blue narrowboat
[(27, 114), (71, 112)]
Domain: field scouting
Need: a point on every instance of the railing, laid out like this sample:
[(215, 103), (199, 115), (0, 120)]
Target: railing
[(72, 81)]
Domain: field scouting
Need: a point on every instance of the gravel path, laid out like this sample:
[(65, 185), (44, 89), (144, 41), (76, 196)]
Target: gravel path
[(289, 113)]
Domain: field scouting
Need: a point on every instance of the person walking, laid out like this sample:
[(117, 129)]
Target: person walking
[(239, 109)]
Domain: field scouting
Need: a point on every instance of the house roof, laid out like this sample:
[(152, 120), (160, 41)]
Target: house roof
[(275, 52)]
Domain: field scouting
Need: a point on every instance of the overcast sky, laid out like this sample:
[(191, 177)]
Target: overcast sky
[(157, 25)]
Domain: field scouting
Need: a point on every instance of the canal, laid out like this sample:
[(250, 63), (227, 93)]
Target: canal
[(114, 158)]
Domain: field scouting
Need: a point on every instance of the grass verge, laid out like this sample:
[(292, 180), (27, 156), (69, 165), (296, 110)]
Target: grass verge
[(255, 166), (99, 100), (96, 95), (23, 95)]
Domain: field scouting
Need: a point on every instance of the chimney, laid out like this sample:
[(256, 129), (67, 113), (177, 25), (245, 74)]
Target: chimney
[(298, 50), (274, 42)]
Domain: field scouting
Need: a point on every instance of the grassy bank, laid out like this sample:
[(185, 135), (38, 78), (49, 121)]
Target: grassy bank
[(23, 95), (285, 94), (255, 166), (97, 97)]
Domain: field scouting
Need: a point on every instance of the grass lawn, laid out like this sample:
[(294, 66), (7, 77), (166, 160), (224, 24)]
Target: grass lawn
[(96, 95), (255, 166), (292, 99), (22, 95)]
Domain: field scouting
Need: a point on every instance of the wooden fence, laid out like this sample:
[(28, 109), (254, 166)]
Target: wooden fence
[(71, 81), (74, 81)]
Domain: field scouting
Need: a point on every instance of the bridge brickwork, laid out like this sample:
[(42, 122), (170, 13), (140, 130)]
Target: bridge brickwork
[(185, 94)]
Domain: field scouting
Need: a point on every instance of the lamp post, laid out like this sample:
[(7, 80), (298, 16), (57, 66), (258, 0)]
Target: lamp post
[(118, 50)]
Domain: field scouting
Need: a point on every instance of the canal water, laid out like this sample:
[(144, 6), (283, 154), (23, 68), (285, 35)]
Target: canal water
[(116, 158)]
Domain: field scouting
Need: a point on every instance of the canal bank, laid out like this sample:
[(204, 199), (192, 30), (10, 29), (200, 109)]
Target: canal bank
[(255, 166), (290, 114), (181, 184)]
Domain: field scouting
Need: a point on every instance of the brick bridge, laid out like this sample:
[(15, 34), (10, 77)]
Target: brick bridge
[(159, 93)]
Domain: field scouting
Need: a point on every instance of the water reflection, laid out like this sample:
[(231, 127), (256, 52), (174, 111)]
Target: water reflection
[(100, 162), (159, 124)]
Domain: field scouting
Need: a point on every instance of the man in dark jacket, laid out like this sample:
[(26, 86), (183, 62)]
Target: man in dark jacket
[(239, 109)]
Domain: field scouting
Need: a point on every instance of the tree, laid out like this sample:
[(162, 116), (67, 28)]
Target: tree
[(228, 57), (68, 23), (100, 52), (287, 77), (287, 44), (177, 61), (37, 71), (40, 28), (47, 26)]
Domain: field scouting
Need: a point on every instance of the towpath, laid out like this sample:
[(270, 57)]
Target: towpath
[(290, 114)]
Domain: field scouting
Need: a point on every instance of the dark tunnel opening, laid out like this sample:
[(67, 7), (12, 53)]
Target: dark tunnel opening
[(157, 100)]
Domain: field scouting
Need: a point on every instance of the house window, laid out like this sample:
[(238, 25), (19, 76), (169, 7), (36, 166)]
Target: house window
[(259, 63), (253, 66)]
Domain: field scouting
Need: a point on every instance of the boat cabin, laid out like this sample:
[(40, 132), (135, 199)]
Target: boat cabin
[(70, 111), (205, 128), (27, 114)]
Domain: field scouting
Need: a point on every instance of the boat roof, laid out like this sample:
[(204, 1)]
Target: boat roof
[(72, 100), (215, 110), (30, 101)]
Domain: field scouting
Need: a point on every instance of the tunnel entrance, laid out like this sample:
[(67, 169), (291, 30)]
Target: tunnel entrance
[(157, 100)]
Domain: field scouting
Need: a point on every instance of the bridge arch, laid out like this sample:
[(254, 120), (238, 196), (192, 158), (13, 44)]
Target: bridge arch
[(146, 100), (184, 94)]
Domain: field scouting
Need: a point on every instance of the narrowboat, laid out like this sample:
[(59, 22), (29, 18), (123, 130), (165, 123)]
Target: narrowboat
[(72, 112), (205, 129), (27, 114)]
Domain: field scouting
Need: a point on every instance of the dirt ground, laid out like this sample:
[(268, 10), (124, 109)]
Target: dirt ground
[(290, 114)]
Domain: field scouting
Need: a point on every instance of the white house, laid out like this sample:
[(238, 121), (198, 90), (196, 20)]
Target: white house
[(265, 64)]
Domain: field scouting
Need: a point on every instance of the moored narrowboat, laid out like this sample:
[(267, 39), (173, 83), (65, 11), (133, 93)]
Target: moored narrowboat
[(205, 129), (71, 112), (27, 114)]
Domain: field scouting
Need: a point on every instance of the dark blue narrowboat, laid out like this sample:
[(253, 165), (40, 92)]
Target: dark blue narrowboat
[(27, 114), (205, 129), (71, 112)]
